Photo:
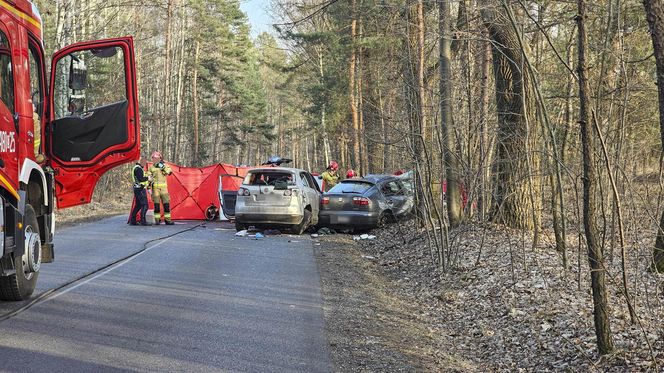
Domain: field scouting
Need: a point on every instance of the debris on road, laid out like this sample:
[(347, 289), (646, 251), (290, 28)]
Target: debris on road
[(326, 231), (242, 233), (364, 237)]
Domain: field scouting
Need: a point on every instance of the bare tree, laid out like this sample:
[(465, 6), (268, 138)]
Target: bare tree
[(451, 166), (655, 16), (595, 251)]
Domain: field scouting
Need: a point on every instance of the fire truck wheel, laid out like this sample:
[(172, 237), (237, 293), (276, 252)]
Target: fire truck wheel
[(20, 286)]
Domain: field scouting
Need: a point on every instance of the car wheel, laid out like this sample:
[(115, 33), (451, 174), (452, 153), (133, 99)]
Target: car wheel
[(383, 219), (239, 226), (306, 220)]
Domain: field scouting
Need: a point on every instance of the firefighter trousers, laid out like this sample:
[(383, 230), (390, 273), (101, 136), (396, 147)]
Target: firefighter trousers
[(159, 196)]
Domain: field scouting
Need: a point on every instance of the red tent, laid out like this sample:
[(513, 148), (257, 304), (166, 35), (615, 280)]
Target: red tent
[(192, 190)]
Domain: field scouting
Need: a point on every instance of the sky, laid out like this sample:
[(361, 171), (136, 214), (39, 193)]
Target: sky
[(259, 18)]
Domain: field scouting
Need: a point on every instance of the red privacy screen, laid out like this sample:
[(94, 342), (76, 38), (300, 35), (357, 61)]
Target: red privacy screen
[(192, 190)]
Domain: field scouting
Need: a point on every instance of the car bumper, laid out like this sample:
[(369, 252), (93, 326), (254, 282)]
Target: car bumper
[(265, 213), (361, 219), (267, 218)]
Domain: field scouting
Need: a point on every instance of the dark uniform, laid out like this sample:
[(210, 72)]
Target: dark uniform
[(140, 195)]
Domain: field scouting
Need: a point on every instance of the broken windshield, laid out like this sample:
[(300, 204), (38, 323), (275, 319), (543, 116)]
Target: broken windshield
[(269, 178)]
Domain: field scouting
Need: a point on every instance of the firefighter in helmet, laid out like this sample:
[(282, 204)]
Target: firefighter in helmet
[(159, 171), (330, 176)]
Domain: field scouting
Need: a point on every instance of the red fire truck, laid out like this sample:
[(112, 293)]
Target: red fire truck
[(58, 134)]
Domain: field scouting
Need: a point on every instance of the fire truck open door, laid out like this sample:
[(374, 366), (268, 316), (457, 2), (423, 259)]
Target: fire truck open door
[(93, 121)]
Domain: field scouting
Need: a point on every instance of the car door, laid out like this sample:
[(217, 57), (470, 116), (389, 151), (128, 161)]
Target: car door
[(408, 201), (310, 192), (394, 196), (316, 193), (93, 117)]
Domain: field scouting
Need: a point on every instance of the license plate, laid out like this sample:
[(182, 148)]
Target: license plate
[(342, 219)]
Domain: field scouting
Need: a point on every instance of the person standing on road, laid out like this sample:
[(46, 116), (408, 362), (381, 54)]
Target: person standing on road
[(140, 194), (330, 176), (159, 171)]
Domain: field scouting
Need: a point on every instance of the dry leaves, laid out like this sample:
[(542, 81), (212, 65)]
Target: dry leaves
[(518, 309)]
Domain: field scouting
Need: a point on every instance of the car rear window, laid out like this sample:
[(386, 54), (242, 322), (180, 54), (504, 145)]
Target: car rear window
[(268, 178), (358, 187)]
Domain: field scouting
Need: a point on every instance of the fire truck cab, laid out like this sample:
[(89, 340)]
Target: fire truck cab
[(58, 134)]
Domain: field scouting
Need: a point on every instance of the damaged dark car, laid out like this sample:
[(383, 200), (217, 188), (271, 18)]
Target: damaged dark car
[(366, 203)]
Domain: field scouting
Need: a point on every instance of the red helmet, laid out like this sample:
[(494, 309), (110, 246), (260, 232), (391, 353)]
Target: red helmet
[(333, 166), (156, 154), (351, 173)]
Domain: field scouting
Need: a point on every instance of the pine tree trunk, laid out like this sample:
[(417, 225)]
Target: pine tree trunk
[(352, 86), (167, 98), (595, 251), (655, 16), (415, 91), (383, 128), (485, 159), (323, 112), (363, 166), (453, 194), (195, 99), (180, 93)]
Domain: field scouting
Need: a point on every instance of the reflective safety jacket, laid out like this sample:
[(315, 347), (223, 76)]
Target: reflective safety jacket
[(159, 171), (138, 177), (330, 178)]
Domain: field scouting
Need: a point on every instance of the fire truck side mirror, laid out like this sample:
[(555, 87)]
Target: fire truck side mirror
[(78, 74)]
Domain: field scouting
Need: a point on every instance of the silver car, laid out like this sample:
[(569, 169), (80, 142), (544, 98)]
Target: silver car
[(277, 197)]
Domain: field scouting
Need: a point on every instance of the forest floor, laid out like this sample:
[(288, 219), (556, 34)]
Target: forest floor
[(505, 306)]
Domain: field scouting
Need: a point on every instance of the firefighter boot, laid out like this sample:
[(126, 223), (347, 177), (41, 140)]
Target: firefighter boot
[(157, 214), (167, 214)]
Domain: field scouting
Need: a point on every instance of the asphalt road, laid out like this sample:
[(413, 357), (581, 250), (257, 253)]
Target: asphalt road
[(203, 300)]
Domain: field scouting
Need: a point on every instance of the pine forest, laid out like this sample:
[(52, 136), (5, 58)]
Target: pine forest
[(534, 130)]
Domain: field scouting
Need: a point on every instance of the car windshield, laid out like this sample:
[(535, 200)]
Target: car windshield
[(358, 187), (268, 178)]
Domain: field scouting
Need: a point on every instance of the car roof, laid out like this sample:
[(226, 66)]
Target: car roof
[(358, 180), (378, 178), (371, 179), (286, 169)]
